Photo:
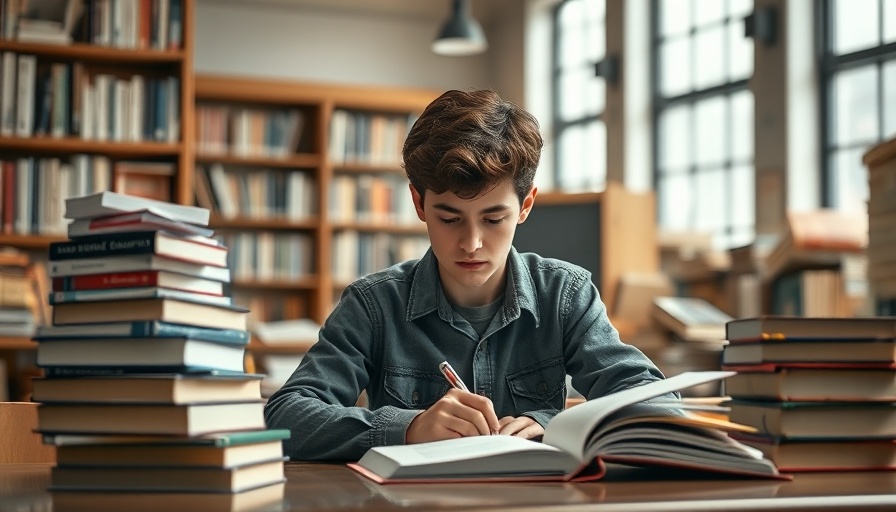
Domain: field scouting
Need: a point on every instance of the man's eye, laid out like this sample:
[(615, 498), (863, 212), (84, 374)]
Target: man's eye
[(495, 221), (449, 221)]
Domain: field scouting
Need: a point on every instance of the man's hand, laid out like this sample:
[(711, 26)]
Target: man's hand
[(522, 426), (457, 414)]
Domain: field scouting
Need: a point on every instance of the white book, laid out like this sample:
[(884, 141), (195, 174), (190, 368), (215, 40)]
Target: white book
[(137, 293), (107, 203), (620, 427), (134, 264), (25, 95)]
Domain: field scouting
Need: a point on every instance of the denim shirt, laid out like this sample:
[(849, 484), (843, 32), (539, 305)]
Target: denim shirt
[(391, 329)]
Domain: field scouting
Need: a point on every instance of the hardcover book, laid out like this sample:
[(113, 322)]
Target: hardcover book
[(158, 278), (225, 450), (203, 251), (169, 479), (783, 328), (179, 419), (132, 221), (159, 388), (136, 263), (620, 427), (166, 310), (108, 203), (141, 352)]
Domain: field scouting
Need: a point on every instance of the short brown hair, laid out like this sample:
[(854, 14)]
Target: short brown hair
[(469, 142)]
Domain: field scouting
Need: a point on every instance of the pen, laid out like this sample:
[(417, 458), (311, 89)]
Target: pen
[(452, 376)]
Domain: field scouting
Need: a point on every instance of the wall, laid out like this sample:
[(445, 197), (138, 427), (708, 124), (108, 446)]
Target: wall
[(366, 48)]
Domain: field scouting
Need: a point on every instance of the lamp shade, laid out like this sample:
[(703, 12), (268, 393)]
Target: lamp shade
[(461, 34)]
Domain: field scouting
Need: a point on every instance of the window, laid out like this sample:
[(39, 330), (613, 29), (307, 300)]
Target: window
[(580, 139), (703, 119), (859, 93)]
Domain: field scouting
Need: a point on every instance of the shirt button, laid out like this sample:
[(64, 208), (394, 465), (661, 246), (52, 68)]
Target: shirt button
[(542, 387), (415, 397), (481, 391)]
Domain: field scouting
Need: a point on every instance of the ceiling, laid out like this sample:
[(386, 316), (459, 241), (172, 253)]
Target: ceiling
[(483, 10)]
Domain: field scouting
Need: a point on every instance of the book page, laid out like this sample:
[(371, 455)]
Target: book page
[(469, 457), (570, 430)]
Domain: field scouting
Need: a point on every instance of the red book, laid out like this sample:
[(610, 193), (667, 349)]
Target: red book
[(157, 278)]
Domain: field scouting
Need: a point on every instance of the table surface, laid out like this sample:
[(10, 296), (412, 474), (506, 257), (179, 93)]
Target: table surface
[(333, 487)]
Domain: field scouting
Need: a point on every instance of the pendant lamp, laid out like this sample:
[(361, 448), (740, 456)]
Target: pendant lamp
[(461, 35)]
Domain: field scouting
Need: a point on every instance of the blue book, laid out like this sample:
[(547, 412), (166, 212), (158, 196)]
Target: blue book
[(147, 329)]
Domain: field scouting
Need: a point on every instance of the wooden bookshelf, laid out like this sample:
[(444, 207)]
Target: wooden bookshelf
[(232, 99), (62, 73)]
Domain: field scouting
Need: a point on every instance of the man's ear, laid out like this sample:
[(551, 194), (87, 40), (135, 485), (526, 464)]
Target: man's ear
[(418, 202), (528, 203)]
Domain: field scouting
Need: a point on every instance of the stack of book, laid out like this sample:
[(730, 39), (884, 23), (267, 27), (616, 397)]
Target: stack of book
[(144, 394), (821, 392), (881, 163)]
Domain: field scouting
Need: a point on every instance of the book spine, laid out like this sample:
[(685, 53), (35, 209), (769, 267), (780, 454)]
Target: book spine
[(96, 266), (105, 371), (117, 244), (105, 281), (166, 329)]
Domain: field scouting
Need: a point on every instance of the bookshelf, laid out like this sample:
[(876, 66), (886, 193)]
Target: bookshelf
[(71, 113), (327, 157)]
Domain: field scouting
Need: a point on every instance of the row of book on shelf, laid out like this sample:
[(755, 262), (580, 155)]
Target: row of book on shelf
[(137, 24), (144, 392), (33, 190), (248, 131), (367, 138), (252, 193), (68, 99)]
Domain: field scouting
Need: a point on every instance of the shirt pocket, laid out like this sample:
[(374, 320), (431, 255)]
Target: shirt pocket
[(540, 386), (413, 389)]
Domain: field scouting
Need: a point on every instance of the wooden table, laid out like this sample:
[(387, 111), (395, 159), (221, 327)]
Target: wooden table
[(333, 487)]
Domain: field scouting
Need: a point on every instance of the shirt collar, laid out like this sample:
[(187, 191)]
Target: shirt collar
[(427, 295)]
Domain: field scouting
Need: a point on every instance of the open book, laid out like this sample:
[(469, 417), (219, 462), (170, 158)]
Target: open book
[(620, 428)]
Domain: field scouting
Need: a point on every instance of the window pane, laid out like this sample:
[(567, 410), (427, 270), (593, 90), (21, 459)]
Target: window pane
[(738, 10), (850, 182), (573, 49), (889, 21), (594, 23), (675, 17), (710, 45), (711, 200), (854, 93), (712, 129), (583, 157), (581, 94), (675, 77), (740, 53), (855, 25), (742, 196), (675, 138), (742, 126), (675, 195), (707, 12), (889, 109)]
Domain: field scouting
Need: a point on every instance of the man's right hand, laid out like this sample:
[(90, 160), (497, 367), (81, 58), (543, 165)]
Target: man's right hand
[(457, 414)]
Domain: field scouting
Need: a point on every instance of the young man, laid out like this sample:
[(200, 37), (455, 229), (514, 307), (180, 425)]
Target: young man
[(512, 325)]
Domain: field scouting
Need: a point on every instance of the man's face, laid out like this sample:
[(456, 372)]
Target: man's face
[(471, 239)]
